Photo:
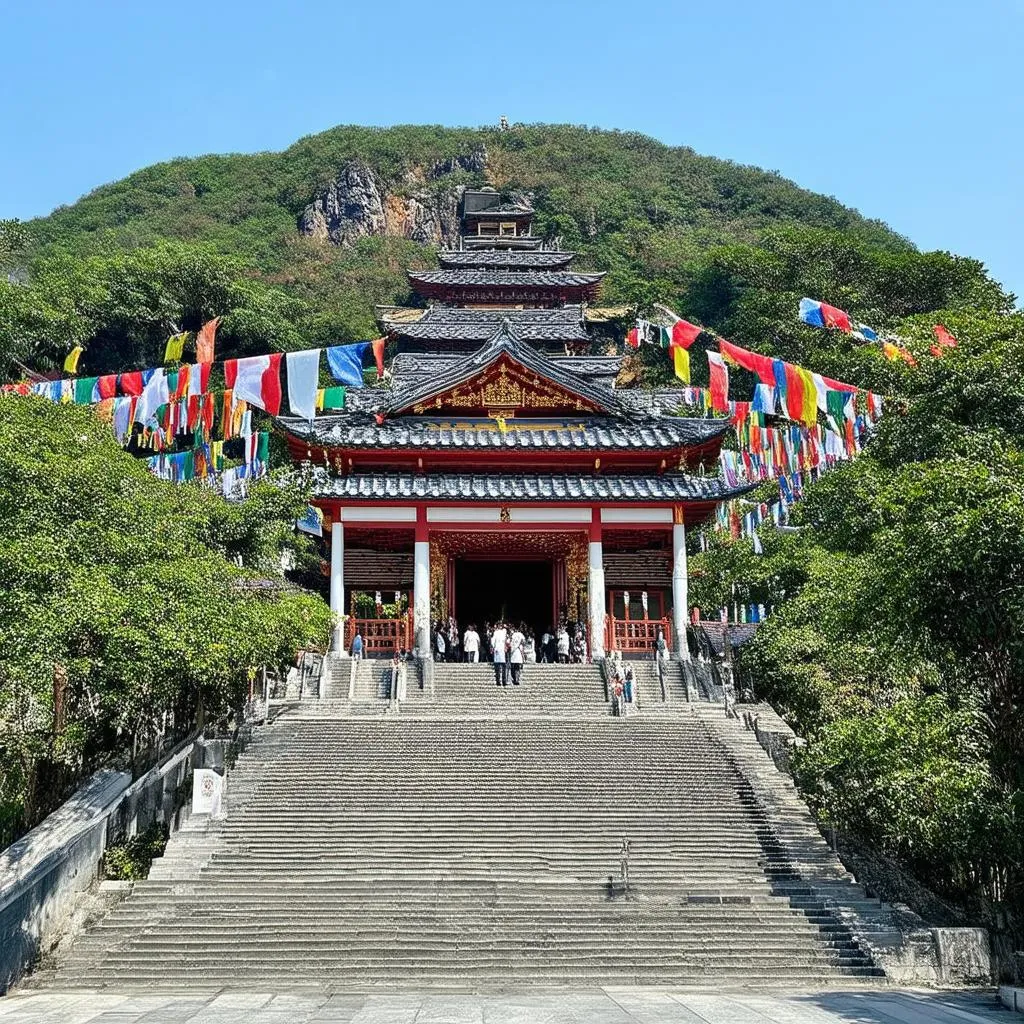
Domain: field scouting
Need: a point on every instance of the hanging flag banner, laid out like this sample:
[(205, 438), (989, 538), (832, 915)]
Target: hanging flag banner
[(346, 363), (205, 340), (257, 380), (303, 378), (719, 382), (71, 361), (175, 347)]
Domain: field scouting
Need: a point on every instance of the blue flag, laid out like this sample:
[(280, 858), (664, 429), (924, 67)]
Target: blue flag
[(810, 313), (346, 363)]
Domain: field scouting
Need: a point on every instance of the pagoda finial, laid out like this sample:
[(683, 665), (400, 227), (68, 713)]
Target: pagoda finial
[(503, 123)]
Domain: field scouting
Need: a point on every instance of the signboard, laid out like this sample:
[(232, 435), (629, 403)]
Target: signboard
[(207, 790)]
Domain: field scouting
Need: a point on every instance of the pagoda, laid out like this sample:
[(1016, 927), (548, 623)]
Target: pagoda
[(502, 474)]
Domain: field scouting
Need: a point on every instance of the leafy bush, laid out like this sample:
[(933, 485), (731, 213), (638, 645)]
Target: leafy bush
[(131, 860)]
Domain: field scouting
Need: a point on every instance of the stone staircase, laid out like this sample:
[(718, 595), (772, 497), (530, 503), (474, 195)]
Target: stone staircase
[(475, 849)]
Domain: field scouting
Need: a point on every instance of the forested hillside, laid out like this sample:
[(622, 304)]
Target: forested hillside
[(897, 646)]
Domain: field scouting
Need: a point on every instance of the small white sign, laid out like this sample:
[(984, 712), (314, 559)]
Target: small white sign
[(207, 789)]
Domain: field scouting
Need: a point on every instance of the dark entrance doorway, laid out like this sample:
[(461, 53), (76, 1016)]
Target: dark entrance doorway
[(514, 591)]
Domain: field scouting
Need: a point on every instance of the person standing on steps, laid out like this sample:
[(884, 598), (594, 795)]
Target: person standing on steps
[(439, 643), (499, 639), (562, 641), (516, 643), (471, 644), (357, 646)]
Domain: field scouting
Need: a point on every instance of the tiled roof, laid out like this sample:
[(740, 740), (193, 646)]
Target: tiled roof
[(537, 259), (408, 368), (516, 487), (459, 324), (505, 342), (505, 278), (500, 210), (413, 432)]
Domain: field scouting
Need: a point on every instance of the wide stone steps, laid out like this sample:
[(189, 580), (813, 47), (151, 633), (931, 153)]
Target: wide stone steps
[(455, 852)]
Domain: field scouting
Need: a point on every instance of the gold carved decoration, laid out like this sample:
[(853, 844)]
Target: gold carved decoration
[(505, 516), (677, 514), (502, 388)]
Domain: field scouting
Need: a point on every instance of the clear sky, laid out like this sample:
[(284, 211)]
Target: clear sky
[(910, 110)]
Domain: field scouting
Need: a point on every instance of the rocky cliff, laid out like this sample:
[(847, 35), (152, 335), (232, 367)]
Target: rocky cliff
[(358, 203)]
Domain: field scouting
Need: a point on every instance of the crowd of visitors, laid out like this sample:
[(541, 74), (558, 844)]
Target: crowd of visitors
[(509, 646)]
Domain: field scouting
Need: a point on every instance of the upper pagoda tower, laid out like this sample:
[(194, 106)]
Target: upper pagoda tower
[(500, 272)]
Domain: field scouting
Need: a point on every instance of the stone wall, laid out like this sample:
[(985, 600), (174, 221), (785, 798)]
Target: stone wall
[(44, 872)]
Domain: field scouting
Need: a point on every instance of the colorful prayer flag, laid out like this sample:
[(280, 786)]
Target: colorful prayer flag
[(303, 377), (71, 362), (378, 355), (175, 347), (719, 374), (257, 380), (681, 363), (835, 318), (684, 334), (810, 313), (334, 398), (205, 341), (633, 337), (346, 363), (943, 336)]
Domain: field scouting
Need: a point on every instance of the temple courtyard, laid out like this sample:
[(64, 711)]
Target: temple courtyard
[(589, 1006)]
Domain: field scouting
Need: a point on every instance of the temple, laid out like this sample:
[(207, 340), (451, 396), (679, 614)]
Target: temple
[(502, 474)]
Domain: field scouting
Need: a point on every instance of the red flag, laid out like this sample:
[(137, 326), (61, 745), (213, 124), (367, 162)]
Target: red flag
[(794, 393), (719, 382), (761, 365), (204, 341), (378, 355), (633, 338), (935, 351), (740, 412), (835, 318), (257, 380), (684, 333), (131, 383), (106, 387), (944, 337)]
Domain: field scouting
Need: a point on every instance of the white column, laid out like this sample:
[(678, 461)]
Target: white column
[(338, 586), (596, 590), (421, 597), (680, 590)]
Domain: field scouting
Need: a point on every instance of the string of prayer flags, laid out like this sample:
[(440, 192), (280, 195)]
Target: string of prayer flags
[(346, 363), (205, 341), (71, 361), (175, 347), (257, 380), (719, 374), (303, 377)]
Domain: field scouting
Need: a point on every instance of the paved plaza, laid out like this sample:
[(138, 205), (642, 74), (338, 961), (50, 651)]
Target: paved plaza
[(593, 1006)]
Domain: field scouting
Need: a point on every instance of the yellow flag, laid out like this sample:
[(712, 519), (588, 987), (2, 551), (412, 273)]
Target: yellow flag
[(809, 412), (320, 399), (175, 347), (71, 363), (681, 363)]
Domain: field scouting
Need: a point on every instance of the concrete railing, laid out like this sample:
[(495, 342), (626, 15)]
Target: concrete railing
[(43, 872)]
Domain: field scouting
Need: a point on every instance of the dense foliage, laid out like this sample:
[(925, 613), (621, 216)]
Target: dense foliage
[(896, 643), (124, 612)]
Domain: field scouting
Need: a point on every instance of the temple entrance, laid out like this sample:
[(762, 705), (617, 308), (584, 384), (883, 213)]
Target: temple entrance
[(514, 591)]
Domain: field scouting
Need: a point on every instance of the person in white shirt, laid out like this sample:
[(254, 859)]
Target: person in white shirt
[(498, 640), (515, 646), (563, 645), (471, 644)]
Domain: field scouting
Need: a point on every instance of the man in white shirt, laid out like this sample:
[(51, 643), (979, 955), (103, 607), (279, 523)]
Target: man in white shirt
[(498, 640), (515, 653), (471, 644)]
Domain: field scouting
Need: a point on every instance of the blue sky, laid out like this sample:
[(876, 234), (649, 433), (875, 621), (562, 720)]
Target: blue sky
[(909, 110)]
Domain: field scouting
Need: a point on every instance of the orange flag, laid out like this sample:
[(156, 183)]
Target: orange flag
[(378, 355), (204, 341)]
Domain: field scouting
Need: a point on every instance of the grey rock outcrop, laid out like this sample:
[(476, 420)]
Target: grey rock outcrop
[(358, 204)]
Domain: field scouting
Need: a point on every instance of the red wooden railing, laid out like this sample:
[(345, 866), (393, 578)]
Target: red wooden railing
[(636, 635), (380, 636)]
